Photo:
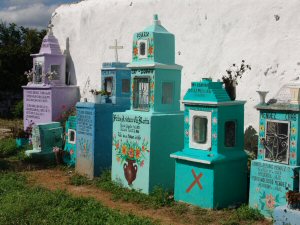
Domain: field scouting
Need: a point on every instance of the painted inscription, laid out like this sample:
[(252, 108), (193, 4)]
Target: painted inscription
[(130, 144), (85, 132)]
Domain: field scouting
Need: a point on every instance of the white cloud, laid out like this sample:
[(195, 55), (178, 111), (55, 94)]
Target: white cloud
[(28, 15)]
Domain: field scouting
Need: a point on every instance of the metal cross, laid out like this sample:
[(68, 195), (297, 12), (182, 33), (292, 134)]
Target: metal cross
[(116, 47)]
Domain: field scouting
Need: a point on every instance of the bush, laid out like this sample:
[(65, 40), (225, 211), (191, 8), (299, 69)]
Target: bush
[(8, 147), (78, 180), (251, 140), (18, 109)]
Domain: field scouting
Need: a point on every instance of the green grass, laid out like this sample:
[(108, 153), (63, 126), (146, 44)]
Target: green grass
[(21, 204), (8, 147), (158, 198)]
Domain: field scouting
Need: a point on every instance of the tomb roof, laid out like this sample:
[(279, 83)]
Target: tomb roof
[(156, 26), (50, 45), (206, 91)]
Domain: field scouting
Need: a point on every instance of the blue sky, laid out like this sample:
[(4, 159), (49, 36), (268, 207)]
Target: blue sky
[(29, 13)]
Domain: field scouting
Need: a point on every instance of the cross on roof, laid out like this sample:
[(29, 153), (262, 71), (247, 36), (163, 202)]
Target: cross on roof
[(50, 26), (116, 47)]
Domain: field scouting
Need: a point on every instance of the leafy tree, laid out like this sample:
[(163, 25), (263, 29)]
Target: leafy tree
[(16, 45)]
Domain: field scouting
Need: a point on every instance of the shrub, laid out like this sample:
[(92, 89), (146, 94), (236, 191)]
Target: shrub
[(78, 180), (251, 140), (18, 109), (247, 213), (8, 147)]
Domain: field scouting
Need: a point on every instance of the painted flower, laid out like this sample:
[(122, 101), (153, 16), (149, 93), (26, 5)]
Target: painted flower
[(261, 151), (257, 189), (144, 148), (71, 152), (215, 120), (137, 152), (152, 98), (256, 206), (142, 163), (131, 153), (84, 147), (152, 85), (150, 50), (214, 136), (118, 159), (186, 119), (135, 51), (294, 130), (262, 128), (117, 146), (293, 143), (293, 155), (270, 201), (124, 149), (186, 133)]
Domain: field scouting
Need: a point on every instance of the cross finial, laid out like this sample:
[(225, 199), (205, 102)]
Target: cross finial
[(50, 26), (116, 47)]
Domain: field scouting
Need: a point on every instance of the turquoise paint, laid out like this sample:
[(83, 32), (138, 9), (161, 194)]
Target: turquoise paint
[(94, 122), (270, 180), (20, 142), (45, 136), (143, 138), (223, 170), (70, 142)]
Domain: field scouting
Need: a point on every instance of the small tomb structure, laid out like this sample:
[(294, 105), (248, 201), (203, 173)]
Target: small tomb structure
[(276, 169), (94, 120), (211, 169), (47, 95), (45, 136)]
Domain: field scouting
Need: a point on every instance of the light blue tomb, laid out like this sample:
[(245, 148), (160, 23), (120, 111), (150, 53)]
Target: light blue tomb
[(145, 135), (94, 121), (276, 169), (211, 170)]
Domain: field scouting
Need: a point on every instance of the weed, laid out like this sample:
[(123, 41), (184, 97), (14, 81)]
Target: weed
[(8, 147), (156, 199), (247, 213), (78, 180), (180, 208)]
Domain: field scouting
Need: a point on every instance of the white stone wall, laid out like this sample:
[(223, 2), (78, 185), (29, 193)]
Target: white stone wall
[(210, 36)]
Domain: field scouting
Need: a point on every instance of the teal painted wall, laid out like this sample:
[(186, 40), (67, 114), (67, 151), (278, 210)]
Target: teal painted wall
[(70, 147)]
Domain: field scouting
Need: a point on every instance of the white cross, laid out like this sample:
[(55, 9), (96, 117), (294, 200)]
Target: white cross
[(116, 47), (50, 26)]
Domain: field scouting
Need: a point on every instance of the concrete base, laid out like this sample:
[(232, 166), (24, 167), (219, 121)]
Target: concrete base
[(283, 216)]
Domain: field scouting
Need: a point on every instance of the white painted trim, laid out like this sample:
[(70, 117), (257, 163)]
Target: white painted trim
[(154, 65), (190, 159), (212, 103), (192, 144), (69, 131)]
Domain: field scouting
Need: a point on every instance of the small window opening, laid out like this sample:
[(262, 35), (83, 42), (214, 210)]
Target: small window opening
[(230, 133), (200, 130), (167, 92)]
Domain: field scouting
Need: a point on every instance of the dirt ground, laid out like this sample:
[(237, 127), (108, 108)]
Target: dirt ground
[(57, 179)]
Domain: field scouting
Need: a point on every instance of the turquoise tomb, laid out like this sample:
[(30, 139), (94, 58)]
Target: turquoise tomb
[(211, 169), (45, 136), (145, 135), (276, 169), (69, 156), (94, 120)]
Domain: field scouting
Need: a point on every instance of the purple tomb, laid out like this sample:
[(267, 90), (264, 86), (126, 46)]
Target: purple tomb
[(46, 96)]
